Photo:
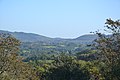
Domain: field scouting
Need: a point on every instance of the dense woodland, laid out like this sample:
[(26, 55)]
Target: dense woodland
[(99, 60)]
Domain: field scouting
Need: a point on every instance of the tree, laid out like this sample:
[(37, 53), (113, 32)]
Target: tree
[(67, 68), (108, 48), (11, 65)]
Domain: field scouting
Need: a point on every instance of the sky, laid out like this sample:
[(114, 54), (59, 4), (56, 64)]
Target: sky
[(57, 18)]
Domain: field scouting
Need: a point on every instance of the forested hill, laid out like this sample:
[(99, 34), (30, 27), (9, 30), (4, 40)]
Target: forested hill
[(31, 37), (27, 37)]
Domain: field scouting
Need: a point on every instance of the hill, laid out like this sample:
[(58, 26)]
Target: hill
[(34, 44), (27, 37), (31, 37)]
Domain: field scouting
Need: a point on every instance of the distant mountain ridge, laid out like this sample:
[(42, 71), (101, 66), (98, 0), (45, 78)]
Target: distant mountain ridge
[(34, 44), (31, 37), (27, 37)]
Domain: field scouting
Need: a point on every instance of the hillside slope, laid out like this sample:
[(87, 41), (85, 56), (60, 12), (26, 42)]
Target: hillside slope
[(31, 37)]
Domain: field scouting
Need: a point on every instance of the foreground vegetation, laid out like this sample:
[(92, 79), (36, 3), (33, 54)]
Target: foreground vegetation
[(101, 62)]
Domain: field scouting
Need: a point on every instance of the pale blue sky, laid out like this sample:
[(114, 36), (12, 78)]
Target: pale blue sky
[(57, 18)]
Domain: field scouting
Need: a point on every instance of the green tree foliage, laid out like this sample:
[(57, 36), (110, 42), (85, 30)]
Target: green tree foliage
[(108, 47), (87, 55), (11, 65), (65, 67)]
